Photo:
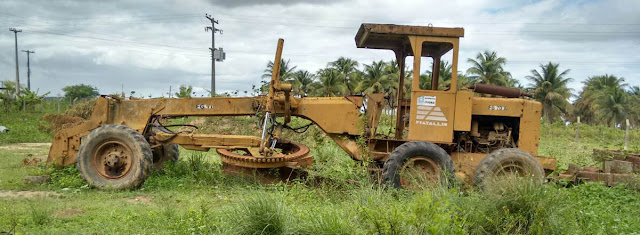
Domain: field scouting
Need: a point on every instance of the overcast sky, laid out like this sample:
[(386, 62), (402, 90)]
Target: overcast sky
[(147, 46)]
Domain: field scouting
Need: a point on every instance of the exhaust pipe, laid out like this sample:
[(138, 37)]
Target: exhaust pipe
[(508, 92)]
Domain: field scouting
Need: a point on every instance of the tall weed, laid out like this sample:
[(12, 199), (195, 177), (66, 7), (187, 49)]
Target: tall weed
[(517, 206), (260, 214)]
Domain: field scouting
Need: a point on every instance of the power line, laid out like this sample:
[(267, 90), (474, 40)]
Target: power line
[(559, 33), (155, 17), (113, 40), (235, 18), (157, 49), (436, 21), (182, 50), (153, 47)]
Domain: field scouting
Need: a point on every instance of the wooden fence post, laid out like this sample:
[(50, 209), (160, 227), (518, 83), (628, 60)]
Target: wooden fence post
[(626, 136), (578, 130)]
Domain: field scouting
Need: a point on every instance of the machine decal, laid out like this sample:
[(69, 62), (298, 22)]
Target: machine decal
[(204, 106), (430, 115), (427, 100), (497, 107)]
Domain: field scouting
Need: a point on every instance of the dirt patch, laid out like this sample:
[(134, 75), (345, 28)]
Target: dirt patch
[(27, 194), (198, 121), (30, 162), (68, 213), (24, 146), (140, 199), (72, 117)]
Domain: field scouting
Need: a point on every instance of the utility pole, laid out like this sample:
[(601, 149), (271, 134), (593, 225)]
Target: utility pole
[(216, 54), (28, 69), (15, 33)]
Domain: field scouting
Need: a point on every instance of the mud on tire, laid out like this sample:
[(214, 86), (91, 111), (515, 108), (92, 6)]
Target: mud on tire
[(508, 161), (410, 151), (114, 157)]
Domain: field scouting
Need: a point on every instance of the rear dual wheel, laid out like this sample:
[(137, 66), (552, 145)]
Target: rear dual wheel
[(114, 157), (165, 153), (506, 163)]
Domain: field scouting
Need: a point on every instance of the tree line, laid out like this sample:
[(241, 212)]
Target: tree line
[(604, 99)]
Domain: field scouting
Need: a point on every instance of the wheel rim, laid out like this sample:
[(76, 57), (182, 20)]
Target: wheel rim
[(511, 169), (419, 170), (112, 159)]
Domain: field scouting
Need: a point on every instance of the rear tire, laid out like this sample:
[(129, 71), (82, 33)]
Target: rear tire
[(505, 161), (164, 153), (114, 157), (434, 162)]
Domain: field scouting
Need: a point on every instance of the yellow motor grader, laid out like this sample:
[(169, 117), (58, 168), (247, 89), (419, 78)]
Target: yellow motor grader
[(440, 132)]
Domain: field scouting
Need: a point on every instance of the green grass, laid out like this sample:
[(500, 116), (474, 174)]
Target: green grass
[(28, 126), (558, 141), (24, 127), (194, 196)]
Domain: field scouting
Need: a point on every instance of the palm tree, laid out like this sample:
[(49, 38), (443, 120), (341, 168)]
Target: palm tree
[(488, 68), (330, 83), (550, 88), (587, 105), (375, 79), (612, 107), (634, 104), (512, 82), (635, 91), (392, 71), (286, 71), (444, 77), (464, 80), (302, 80), (347, 68)]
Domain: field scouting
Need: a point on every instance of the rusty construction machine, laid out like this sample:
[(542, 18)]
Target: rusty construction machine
[(440, 132)]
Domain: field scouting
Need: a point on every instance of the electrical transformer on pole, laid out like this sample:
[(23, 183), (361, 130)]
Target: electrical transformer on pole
[(217, 54)]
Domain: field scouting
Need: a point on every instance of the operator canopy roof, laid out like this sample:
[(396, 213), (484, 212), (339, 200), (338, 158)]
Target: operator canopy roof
[(395, 37)]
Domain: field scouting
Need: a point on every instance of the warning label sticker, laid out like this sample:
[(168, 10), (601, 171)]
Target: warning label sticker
[(427, 100)]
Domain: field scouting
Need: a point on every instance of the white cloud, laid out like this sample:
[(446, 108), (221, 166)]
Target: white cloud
[(150, 47)]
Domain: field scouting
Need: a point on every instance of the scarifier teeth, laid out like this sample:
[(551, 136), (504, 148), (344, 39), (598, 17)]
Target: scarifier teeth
[(291, 151)]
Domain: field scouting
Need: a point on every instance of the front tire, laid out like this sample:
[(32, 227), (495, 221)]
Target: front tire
[(114, 157), (414, 163)]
